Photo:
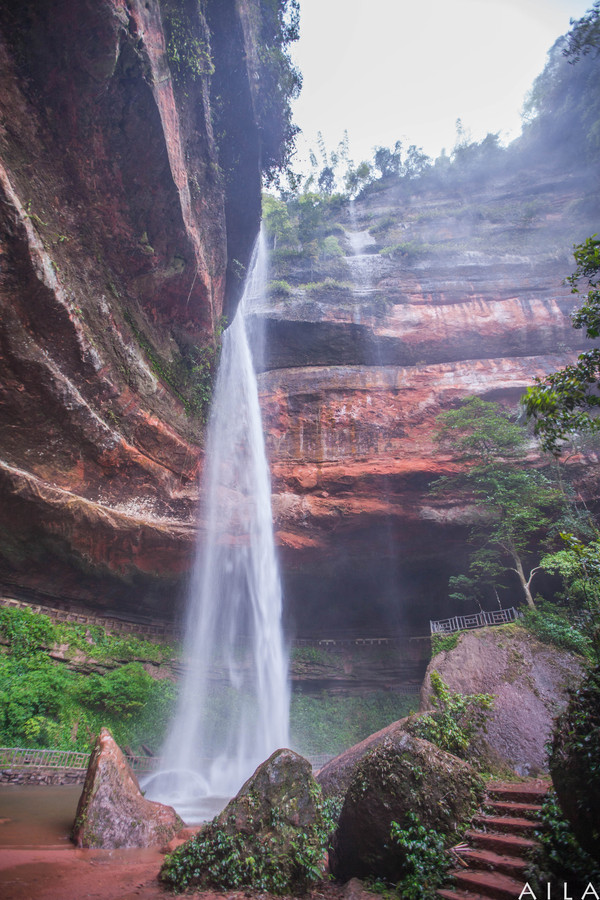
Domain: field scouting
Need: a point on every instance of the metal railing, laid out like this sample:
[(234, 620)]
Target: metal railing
[(28, 758), (477, 620)]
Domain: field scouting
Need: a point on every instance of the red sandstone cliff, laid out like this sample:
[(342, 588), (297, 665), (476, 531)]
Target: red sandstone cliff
[(356, 378), (117, 227)]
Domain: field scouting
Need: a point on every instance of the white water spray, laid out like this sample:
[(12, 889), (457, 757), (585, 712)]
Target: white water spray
[(233, 708)]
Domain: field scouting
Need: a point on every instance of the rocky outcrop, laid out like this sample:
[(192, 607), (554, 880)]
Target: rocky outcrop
[(528, 680), (466, 298), (112, 811), (117, 234), (404, 775), (268, 837)]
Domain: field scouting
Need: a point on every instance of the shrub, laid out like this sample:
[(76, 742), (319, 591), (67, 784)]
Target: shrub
[(279, 289), (456, 719), (425, 861), (553, 625), (26, 631), (441, 642), (328, 285), (408, 251)]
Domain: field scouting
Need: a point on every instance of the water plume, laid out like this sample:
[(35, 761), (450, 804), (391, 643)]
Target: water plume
[(233, 708)]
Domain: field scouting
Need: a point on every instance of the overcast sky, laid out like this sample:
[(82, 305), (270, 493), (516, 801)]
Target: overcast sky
[(407, 69)]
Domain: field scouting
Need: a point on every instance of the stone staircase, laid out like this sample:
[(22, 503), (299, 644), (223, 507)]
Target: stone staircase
[(495, 855)]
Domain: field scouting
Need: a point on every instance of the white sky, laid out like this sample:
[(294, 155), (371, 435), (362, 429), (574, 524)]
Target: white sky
[(405, 70)]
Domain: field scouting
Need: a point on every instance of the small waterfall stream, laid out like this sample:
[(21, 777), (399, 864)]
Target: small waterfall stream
[(233, 708), (364, 267)]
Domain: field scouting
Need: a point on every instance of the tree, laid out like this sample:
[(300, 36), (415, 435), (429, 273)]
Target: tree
[(565, 403), (516, 505), (585, 36)]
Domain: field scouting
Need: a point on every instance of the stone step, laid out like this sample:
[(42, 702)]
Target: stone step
[(510, 824), (509, 807), (500, 862), (488, 884), (505, 844), (520, 792), (450, 894)]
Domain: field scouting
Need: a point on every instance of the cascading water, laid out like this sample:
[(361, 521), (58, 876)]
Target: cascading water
[(364, 267), (233, 708)]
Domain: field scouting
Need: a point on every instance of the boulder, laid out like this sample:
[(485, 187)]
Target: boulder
[(269, 837), (112, 811), (402, 775), (529, 681)]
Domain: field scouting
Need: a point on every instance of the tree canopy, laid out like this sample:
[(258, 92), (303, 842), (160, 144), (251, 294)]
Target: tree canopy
[(519, 505), (565, 403)]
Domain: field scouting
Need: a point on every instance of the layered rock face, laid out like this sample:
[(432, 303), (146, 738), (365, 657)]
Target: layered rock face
[(466, 298), (118, 227)]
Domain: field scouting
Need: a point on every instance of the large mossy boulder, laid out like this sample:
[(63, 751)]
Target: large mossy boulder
[(575, 762), (404, 777), (112, 811), (270, 837), (529, 681)]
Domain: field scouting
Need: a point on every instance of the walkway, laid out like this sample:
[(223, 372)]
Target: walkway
[(494, 858)]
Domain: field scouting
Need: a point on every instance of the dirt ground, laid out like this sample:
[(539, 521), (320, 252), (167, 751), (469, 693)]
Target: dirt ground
[(39, 862), (71, 874)]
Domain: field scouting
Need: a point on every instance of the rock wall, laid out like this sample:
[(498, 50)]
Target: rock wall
[(118, 227), (468, 298)]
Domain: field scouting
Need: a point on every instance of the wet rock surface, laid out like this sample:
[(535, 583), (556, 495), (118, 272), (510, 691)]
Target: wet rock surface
[(529, 681), (112, 812)]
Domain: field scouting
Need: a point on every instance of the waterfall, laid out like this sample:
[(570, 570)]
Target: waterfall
[(233, 708), (364, 267)]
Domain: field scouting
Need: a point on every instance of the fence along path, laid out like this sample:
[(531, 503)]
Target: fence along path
[(31, 758), (477, 620)]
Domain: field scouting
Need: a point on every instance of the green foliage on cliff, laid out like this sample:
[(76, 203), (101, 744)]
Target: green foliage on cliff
[(45, 702), (517, 508), (188, 48), (456, 718), (566, 403), (280, 83)]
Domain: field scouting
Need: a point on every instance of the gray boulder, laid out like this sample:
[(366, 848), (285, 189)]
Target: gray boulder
[(529, 681), (112, 811)]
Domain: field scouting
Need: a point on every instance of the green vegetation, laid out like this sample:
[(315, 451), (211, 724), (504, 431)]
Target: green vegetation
[(408, 251), (566, 402), (188, 49), (444, 642), (330, 724), (456, 720), (561, 627), (219, 858), (518, 507), (574, 760), (45, 703), (560, 858), (425, 860), (279, 83), (191, 374)]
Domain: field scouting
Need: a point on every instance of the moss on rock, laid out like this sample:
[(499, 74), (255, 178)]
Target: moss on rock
[(403, 776)]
